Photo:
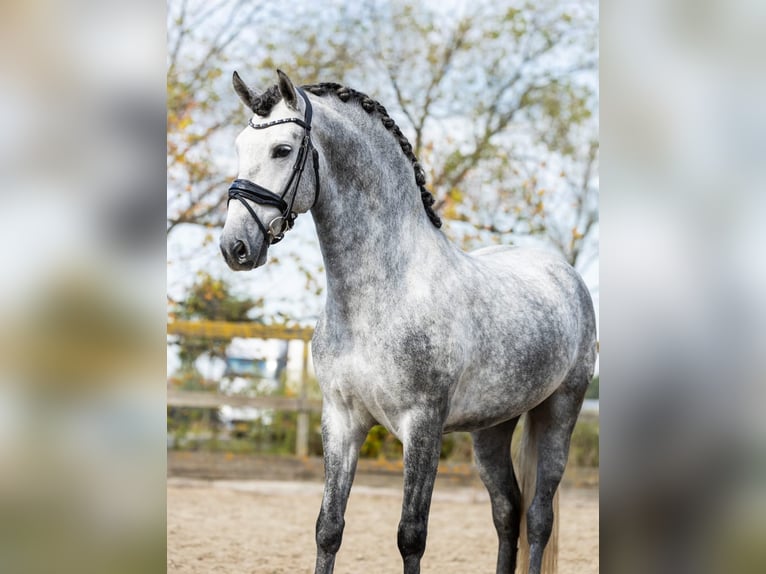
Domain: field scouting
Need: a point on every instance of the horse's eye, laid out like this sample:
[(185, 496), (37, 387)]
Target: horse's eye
[(281, 151)]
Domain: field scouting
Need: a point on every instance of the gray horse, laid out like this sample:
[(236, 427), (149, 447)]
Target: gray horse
[(416, 335)]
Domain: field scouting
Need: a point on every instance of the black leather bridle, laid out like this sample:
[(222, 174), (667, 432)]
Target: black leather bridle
[(243, 189)]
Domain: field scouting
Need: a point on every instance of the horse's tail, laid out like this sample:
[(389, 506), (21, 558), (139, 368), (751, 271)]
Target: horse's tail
[(527, 470)]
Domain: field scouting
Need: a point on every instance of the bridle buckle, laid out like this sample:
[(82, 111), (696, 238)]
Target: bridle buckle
[(277, 233)]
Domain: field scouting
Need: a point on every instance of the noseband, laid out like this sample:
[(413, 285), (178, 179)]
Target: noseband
[(243, 189)]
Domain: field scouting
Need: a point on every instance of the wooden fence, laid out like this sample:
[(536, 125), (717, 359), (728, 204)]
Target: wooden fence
[(224, 330)]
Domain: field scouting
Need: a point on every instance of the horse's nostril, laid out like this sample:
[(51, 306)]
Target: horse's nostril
[(239, 250)]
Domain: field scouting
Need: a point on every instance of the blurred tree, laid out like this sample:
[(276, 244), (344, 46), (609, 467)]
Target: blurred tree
[(204, 39), (201, 37), (209, 299), (501, 103)]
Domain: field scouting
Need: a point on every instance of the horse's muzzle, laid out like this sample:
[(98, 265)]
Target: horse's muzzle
[(240, 255)]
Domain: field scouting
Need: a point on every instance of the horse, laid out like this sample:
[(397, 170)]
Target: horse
[(416, 335)]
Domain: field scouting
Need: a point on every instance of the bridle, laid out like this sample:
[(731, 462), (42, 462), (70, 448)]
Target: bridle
[(244, 189)]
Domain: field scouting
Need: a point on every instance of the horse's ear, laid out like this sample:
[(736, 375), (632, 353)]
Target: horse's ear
[(287, 90), (248, 96)]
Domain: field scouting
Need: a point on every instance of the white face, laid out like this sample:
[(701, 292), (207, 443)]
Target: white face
[(266, 157)]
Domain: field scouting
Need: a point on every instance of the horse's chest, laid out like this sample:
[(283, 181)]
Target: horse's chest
[(384, 376), (365, 371)]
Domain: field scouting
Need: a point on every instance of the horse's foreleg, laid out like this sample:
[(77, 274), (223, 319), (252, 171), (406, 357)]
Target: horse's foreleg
[(492, 449), (422, 445), (342, 437)]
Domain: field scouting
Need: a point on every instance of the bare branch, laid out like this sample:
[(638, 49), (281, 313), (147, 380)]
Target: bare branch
[(457, 40), (182, 30), (400, 97)]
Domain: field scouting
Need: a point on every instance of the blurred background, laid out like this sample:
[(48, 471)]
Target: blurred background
[(682, 330), (82, 286), (501, 102)]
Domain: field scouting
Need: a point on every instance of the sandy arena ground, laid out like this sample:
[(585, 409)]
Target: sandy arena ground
[(267, 527)]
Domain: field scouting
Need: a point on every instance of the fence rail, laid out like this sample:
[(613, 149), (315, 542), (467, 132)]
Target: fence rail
[(198, 399), (226, 330)]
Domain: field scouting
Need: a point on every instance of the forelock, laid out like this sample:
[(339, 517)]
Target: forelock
[(266, 102)]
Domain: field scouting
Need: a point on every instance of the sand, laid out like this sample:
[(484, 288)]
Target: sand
[(267, 527)]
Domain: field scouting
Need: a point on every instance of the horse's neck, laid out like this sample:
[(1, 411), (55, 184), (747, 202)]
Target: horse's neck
[(361, 255), (371, 223)]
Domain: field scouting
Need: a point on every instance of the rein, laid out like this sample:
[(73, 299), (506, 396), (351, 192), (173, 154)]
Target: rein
[(243, 189)]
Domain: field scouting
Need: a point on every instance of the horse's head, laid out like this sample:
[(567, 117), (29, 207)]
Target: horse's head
[(271, 187)]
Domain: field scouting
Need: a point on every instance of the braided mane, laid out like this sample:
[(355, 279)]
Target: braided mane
[(271, 96)]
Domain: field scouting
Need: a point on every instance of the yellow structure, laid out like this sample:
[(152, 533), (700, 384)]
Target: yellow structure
[(226, 330)]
